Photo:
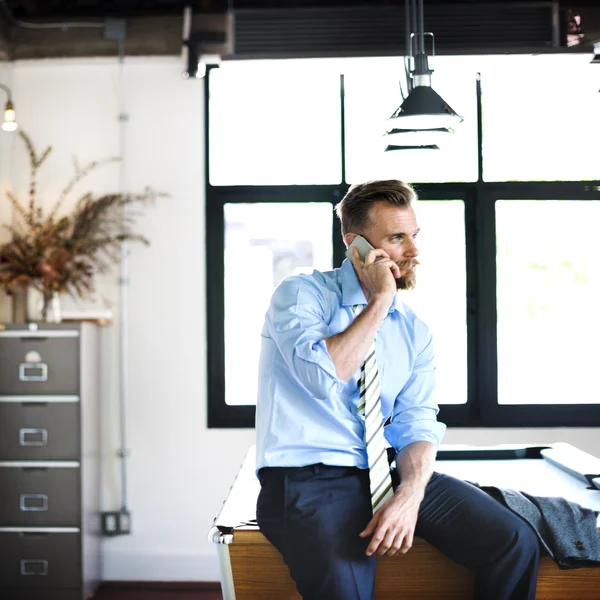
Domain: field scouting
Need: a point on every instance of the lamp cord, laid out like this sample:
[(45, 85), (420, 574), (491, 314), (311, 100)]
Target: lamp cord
[(413, 17), (408, 44), (421, 30), (7, 90)]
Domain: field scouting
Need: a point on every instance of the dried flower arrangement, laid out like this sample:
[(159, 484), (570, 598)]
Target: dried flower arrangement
[(61, 254)]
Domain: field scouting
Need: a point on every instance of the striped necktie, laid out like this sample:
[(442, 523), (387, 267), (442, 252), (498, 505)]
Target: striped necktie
[(369, 406)]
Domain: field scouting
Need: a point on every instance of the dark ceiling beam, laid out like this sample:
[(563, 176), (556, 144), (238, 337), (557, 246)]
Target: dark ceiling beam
[(58, 10), (144, 36), (31, 7)]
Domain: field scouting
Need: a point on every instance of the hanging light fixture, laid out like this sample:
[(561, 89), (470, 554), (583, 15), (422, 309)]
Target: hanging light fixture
[(10, 117), (391, 147), (416, 137), (423, 115)]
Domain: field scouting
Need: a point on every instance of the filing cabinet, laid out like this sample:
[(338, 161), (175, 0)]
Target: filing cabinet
[(49, 462)]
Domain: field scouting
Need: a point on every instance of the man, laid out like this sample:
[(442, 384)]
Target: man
[(320, 385)]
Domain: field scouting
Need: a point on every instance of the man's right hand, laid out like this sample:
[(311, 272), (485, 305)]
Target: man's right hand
[(377, 274)]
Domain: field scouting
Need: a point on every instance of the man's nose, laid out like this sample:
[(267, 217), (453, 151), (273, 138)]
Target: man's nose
[(411, 249)]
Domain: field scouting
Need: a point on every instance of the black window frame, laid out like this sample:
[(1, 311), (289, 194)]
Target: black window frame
[(482, 408)]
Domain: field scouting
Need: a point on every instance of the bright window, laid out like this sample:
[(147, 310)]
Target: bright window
[(548, 291), (440, 295), (274, 123), (264, 244), (540, 118)]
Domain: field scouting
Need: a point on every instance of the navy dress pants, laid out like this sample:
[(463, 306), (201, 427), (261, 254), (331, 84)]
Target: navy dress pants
[(313, 516)]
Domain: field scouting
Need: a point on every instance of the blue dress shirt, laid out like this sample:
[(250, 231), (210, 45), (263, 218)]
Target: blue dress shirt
[(305, 414)]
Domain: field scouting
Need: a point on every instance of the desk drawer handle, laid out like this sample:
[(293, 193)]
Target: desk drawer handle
[(33, 437), (34, 502), (37, 372), (34, 567)]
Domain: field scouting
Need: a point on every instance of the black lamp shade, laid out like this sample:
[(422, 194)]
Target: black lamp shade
[(424, 108), (417, 138), (391, 148)]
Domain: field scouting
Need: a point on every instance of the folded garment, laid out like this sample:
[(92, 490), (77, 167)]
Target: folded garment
[(567, 531)]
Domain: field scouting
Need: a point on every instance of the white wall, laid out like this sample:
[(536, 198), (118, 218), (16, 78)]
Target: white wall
[(179, 471)]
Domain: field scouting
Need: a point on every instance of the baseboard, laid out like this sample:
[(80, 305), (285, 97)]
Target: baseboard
[(191, 586), (126, 565)]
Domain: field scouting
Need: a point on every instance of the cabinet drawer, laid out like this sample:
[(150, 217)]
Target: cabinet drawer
[(39, 495), (39, 430), (40, 560), (45, 364)]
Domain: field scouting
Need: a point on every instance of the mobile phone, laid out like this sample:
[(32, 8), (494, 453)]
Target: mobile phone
[(363, 247)]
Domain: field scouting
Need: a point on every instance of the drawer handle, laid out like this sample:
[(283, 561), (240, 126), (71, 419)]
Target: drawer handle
[(33, 372), (34, 502), (33, 437), (34, 567)]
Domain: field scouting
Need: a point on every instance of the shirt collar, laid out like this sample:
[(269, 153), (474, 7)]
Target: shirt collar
[(352, 292)]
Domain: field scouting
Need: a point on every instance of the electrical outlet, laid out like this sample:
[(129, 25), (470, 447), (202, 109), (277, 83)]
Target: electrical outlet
[(116, 523), (110, 523), (124, 522)]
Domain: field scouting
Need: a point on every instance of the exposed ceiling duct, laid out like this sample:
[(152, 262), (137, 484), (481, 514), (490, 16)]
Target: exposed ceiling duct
[(296, 28)]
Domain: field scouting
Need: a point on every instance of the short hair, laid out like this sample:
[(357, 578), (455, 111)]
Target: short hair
[(354, 210)]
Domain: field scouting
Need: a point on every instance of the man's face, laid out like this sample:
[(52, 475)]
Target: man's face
[(394, 229)]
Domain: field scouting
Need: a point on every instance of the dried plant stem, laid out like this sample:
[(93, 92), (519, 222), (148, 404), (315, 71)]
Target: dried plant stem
[(79, 175), (63, 254), (35, 163)]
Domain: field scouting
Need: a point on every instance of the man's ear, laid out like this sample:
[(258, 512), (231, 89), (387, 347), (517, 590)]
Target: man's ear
[(349, 238)]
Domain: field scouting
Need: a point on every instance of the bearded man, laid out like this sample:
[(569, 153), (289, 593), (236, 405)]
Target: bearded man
[(346, 388)]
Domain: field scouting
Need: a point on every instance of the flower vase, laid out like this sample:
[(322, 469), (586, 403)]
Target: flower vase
[(51, 308), (20, 305)]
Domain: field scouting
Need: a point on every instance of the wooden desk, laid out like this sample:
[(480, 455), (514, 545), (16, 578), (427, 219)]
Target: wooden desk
[(252, 569)]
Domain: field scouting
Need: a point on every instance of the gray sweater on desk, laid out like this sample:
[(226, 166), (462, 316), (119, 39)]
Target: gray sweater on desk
[(567, 531)]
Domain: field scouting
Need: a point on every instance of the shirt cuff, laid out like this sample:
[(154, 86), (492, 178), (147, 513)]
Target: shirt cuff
[(400, 435)]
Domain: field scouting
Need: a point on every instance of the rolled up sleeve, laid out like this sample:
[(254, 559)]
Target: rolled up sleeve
[(297, 323), (415, 412)]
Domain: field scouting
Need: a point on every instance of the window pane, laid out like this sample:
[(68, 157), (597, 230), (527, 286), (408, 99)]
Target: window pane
[(264, 244), (548, 290), (372, 95), (440, 296), (277, 122), (540, 118), (274, 123)]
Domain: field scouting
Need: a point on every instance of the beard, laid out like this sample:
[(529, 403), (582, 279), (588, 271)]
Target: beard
[(408, 281)]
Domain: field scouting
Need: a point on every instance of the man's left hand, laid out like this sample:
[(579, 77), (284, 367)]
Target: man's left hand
[(393, 526)]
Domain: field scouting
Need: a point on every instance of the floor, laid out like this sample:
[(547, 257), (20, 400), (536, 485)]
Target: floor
[(129, 593)]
